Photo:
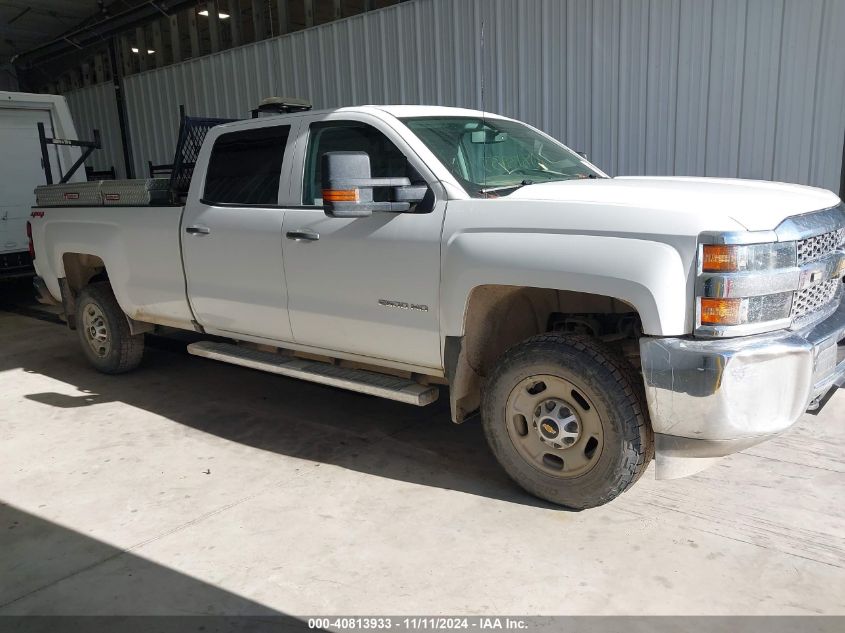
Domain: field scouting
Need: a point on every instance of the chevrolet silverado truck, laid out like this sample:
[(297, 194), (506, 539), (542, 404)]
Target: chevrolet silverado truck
[(592, 322)]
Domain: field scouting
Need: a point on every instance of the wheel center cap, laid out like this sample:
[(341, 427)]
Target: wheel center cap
[(557, 424), (549, 428)]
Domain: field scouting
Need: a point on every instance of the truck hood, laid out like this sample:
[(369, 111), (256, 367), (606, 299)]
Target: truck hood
[(755, 204)]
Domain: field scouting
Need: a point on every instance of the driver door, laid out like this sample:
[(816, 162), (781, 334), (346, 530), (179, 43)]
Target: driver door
[(367, 286)]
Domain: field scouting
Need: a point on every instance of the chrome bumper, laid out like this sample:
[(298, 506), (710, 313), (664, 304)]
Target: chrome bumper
[(710, 398)]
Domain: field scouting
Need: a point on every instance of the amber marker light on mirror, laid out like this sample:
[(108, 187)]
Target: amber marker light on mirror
[(340, 195)]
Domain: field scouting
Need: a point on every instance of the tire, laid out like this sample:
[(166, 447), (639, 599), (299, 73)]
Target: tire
[(104, 331), (565, 417)]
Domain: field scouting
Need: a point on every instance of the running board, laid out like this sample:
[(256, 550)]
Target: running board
[(360, 380)]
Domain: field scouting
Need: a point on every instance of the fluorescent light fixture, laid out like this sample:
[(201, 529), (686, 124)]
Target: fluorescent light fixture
[(150, 51), (222, 16), (134, 50)]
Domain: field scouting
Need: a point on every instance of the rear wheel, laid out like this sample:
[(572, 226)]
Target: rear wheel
[(565, 417), (104, 331)]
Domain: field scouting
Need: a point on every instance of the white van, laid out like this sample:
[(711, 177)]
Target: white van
[(21, 168)]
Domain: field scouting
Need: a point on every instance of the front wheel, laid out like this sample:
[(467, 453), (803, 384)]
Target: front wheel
[(565, 417), (104, 331)]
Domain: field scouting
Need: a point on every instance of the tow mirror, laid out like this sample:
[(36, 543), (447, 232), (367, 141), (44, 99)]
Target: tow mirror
[(348, 187)]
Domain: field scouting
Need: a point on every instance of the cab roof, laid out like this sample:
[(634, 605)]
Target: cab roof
[(408, 111), (398, 111)]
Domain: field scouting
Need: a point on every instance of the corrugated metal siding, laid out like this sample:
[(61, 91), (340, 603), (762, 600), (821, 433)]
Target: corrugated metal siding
[(92, 108), (748, 88)]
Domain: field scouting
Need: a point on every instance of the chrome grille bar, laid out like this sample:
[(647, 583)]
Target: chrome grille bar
[(813, 248)]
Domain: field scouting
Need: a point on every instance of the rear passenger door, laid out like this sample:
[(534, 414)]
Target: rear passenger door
[(232, 234)]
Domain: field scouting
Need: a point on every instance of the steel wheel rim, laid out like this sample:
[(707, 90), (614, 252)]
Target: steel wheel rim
[(554, 426), (95, 329)]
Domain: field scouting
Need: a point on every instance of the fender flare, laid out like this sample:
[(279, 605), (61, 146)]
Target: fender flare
[(650, 276)]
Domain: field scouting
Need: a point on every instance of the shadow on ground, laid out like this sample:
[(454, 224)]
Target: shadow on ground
[(272, 413), (95, 577)]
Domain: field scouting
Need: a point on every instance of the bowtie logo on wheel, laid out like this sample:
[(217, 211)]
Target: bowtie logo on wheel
[(550, 430)]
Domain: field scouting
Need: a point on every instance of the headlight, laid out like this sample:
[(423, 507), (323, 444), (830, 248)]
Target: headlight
[(753, 282), (733, 312), (745, 288), (734, 258)]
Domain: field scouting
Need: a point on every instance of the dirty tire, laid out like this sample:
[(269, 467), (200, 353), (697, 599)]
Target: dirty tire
[(614, 394), (104, 331)]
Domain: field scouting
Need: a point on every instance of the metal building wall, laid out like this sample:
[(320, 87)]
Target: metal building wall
[(748, 88), (92, 108)]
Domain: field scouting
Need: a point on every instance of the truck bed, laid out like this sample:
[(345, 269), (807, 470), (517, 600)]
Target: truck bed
[(139, 246)]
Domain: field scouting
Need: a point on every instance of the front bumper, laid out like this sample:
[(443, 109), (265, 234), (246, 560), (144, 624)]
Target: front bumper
[(710, 398)]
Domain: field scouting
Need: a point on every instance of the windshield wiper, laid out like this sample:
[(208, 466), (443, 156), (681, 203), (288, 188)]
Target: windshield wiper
[(506, 187)]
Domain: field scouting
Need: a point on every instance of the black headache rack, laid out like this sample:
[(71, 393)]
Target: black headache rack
[(192, 131)]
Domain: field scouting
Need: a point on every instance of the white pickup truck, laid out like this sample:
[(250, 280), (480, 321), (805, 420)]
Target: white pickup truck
[(593, 322)]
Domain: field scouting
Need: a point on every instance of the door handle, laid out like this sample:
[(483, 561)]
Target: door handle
[(303, 234), (198, 230)]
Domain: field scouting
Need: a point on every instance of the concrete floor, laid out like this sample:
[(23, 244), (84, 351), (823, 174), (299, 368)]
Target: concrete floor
[(196, 487)]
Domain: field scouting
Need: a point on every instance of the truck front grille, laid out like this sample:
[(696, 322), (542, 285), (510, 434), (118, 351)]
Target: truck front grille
[(814, 298), (813, 248), (810, 303)]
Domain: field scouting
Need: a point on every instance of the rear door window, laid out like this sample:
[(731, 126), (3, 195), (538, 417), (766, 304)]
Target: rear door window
[(245, 166)]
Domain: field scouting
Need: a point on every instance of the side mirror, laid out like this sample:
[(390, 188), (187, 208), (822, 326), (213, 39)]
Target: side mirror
[(348, 187)]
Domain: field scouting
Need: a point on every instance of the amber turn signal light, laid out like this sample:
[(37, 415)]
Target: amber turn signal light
[(718, 258), (721, 311), (340, 195)]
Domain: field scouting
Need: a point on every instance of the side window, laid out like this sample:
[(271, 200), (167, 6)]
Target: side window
[(245, 167), (386, 161)]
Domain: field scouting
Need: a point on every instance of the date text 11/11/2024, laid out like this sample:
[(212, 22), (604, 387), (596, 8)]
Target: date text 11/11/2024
[(419, 623)]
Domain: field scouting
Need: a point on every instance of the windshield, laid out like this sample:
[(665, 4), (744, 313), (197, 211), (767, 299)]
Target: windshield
[(491, 156)]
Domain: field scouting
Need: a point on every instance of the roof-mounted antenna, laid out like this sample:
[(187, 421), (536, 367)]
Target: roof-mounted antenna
[(481, 55), (483, 114)]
